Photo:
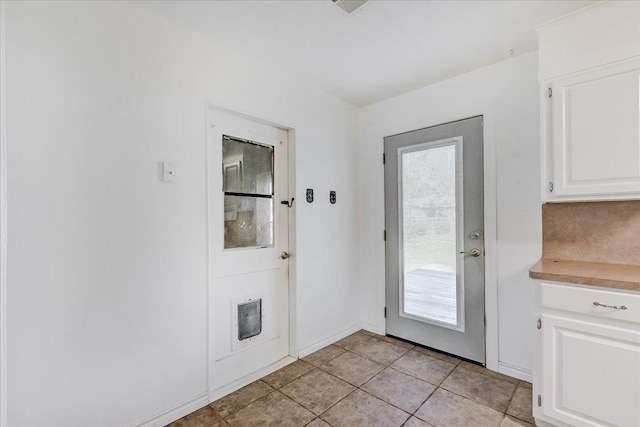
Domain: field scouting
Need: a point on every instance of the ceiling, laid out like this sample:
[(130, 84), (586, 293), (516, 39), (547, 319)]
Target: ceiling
[(383, 49)]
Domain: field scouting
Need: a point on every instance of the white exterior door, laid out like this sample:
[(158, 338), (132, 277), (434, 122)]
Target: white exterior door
[(248, 247)]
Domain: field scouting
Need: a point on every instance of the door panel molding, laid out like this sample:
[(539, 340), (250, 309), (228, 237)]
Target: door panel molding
[(459, 182)]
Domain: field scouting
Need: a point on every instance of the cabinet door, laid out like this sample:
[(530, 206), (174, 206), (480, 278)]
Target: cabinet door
[(591, 373), (595, 136)]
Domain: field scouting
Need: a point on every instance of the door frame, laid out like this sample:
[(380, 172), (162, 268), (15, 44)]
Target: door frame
[(210, 108), (487, 110)]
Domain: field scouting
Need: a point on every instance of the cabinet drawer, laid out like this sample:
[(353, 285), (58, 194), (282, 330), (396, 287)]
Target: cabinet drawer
[(581, 300)]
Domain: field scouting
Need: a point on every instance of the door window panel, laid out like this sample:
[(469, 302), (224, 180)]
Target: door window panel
[(429, 209), (247, 169)]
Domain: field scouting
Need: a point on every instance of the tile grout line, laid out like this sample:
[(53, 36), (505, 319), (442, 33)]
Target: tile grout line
[(490, 377), (359, 387), (369, 358), (510, 400), (328, 373), (473, 401), (413, 376), (329, 408), (437, 386), (411, 414), (242, 407), (328, 360), (264, 397), (407, 350), (434, 391), (250, 403), (385, 366), (335, 376)]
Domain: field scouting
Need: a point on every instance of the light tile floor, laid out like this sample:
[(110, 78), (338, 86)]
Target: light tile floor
[(368, 380)]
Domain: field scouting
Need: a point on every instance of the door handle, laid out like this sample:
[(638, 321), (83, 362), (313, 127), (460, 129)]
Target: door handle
[(473, 252), (284, 255), (289, 204), (617, 307)]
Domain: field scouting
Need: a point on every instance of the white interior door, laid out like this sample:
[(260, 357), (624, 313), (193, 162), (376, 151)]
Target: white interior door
[(434, 245), (249, 285)]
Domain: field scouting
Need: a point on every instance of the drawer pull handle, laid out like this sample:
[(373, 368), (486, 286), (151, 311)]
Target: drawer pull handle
[(617, 307)]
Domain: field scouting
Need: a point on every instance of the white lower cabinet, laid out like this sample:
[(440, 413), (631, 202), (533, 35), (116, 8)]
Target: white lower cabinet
[(587, 368)]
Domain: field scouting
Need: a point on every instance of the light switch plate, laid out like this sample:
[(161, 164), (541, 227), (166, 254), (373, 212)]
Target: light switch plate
[(168, 172)]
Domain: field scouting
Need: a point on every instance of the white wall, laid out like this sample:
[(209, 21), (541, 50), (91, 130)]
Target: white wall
[(508, 89), (106, 264)]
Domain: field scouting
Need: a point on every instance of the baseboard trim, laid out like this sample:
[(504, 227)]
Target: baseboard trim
[(372, 328), (248, 379), (204, 399), (337, 337), (176, 413), (515, 371), (541, 423)]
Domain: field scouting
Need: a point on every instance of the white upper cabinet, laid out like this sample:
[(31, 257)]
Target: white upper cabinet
[(590, 79), (594, 132)]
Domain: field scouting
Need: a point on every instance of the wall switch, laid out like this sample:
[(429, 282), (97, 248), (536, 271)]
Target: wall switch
[(332, 197), (168, 172), (309, 195)]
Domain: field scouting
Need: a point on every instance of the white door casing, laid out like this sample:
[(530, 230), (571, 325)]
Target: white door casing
[(247, 273)]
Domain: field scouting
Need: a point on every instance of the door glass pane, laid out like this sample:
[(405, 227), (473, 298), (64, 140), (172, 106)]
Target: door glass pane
[(247, 167), (428, 218), (248, 221), (247, 171)]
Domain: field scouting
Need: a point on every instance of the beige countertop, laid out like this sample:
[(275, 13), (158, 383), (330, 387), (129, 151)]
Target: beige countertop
[(619, 276)]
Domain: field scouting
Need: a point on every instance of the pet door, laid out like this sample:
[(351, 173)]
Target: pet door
[(249, 319)]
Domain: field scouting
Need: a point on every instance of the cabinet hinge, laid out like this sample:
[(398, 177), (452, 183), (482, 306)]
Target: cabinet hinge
[(384, 158), (384, 235), (550, 92), (385, 312), (539, 323), (550, 186), (539, 401)]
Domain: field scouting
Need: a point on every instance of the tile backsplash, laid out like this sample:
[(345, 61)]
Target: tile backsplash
[(592, 231)]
